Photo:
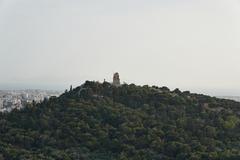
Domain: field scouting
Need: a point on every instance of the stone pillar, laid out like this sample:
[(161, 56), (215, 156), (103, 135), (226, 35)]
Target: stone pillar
[(116, 80)]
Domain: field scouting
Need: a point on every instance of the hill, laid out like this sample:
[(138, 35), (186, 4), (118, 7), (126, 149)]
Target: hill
[(97, 121)]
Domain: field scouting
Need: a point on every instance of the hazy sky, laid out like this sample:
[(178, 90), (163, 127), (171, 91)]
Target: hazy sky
[(190, 44)]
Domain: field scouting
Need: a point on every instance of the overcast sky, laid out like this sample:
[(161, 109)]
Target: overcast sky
[(188, 44)]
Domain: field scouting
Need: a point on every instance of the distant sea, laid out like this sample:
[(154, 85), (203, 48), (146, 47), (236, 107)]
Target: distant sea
[(235, 98)]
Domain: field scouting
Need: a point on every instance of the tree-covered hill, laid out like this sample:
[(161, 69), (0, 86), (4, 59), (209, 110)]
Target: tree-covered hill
[(98, 121)]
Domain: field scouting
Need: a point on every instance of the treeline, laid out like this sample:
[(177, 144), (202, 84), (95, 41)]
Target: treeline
[(97, 121)]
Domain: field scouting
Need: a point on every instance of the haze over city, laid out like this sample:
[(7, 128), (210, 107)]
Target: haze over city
[(187, 44)]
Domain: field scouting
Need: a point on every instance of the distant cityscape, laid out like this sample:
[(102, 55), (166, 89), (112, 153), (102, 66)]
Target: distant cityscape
[(10, 99)]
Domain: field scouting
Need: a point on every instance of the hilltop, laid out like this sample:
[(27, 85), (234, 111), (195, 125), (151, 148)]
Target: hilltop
[(97, 121)]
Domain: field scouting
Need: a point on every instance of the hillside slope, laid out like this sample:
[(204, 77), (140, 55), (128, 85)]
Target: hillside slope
[(97, 121)]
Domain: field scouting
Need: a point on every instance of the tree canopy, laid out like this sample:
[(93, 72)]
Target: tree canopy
[(97, 121)]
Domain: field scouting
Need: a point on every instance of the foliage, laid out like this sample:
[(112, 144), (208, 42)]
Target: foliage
[(98, 121)]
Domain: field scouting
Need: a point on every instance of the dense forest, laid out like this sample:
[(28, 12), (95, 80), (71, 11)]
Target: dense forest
[(97, 121)]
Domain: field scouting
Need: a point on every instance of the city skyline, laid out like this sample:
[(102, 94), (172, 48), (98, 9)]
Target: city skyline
[(187, 44)]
